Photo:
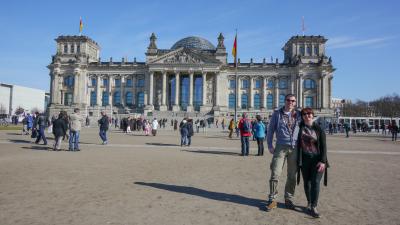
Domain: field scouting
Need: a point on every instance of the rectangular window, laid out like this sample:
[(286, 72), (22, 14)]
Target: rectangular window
[(258, 84), (117, 82), (93, 98), (282, 84), (309, 102), (316, 50), (140, 83), (232, 84), (309, 50), (68, 99), (78, 49), (72, 49), (105, 82), (94, 82), (129, 82), (302, 50), (65, 49), (245, 84)]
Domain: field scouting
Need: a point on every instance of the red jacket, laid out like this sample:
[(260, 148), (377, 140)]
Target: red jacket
[(242, 132)]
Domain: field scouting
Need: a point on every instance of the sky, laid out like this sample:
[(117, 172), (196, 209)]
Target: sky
[(363, 37)]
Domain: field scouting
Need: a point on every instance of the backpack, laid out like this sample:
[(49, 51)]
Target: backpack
[(246, 126)]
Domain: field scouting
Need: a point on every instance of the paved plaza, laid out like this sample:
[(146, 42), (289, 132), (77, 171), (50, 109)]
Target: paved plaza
[(138, 179)]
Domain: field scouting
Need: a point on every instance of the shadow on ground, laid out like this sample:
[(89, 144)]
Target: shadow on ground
[(259, 203), (20, 141), (161, 144), (34, 147), (218, 196), (212, 152)]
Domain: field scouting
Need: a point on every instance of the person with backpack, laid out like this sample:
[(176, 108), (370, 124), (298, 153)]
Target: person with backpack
[(184, 132), (259, 134), (245, 133), (285, 125), (190, 131)]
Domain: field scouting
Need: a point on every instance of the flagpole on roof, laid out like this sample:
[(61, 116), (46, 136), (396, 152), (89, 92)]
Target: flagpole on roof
[(303, 28), (234, 53)]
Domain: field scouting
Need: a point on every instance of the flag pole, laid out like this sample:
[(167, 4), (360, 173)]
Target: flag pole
[(236, 78), (303, 28)]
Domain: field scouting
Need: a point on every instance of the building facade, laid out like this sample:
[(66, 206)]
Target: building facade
[(13, 97), (193, 77)]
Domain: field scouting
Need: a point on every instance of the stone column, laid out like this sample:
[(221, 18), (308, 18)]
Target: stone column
[(238, 99), (163, 106), (110, 91), (176, 107), (251, 94), (53, 88), (300, 96), (122, 91), (190, 105), (320, 92), (134, 90), (263, 94), (98, 92), (151, 87), (217, 93), (76, 87), (204, 76), (276, 92)]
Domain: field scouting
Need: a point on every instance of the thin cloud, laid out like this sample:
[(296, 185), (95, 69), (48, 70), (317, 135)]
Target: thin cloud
[(348, 42)]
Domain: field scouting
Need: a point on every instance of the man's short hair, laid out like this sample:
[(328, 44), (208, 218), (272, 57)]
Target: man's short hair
[(290, 95)]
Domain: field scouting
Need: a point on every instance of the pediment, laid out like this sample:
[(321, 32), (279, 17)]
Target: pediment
[(182, 56)]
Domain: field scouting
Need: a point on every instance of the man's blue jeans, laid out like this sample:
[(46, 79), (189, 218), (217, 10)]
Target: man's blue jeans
[(73, 140), (245, 145), (103, 135), (41, 135)]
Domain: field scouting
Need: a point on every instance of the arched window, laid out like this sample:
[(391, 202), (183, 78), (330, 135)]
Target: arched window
[(257, 101), (140, 99), (231, 100), (128, 98), (117, 98), (309, 84), (270, 101), (93, 98), (281, 100), (104, 100), (244, 101)]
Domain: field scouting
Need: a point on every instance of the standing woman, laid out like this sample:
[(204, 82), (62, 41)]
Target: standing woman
[(312, 159), (259, 134)]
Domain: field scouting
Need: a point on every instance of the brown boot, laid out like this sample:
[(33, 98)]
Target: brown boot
[(271, 205)]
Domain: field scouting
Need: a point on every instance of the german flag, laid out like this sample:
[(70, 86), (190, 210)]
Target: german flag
[(234, 49), (80, 25)]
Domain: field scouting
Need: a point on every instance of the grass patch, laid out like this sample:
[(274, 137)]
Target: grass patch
[(10, 127)]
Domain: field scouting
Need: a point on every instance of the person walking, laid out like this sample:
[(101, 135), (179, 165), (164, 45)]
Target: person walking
[(284, 124), (60, 127), (75, 125), (245, 133), (231, 127), (347, 129), (29, 122), (104, 124), (312, 159), (40, 124), (184, 132), (190, 131), (259, 133), (154, 127), (395, 130)]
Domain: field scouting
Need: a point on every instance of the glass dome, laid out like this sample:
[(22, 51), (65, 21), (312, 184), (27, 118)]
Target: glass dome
[(194, 42)]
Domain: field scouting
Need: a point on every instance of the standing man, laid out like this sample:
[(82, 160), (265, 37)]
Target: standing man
[(154, 127), (285, 125), (40, 124), (245, 133), (75, 124), (103, 123)]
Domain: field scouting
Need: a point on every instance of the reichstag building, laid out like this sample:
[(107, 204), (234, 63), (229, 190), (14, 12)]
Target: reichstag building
[(193, 77)]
